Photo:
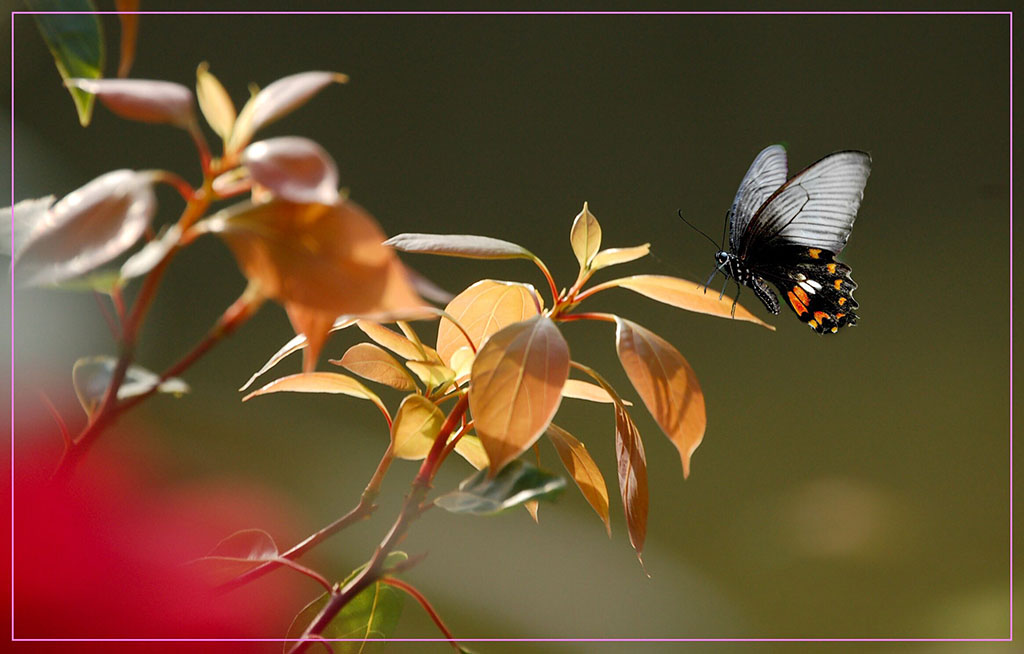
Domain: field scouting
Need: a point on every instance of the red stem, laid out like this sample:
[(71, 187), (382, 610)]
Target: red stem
[(412, 590)]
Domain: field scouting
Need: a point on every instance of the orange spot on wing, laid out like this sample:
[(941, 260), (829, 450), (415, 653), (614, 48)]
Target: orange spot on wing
[(801, 294), (838, 284), (835, 329), (797, 304), (821, 316), (839, 315), (814, 252), (831, 268), (842, 301), (813, 324)]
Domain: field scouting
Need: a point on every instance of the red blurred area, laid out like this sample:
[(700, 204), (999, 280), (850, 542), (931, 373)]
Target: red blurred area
[(105, 555)]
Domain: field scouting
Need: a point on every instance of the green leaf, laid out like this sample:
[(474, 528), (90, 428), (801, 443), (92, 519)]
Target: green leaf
[(76, 43), (100, 281), (91, 377), (372, 614), (516, 483)]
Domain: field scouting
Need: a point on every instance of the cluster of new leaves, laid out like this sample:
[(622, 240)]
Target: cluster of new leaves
[(497, 342)]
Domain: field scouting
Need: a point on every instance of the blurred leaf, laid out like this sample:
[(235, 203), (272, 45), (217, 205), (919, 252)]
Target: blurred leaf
[(294, 169), (459, 245), (278, 99), (129, 34), (416, 425), (76, 43), (91, 376), (583, 470), (321, 261), (87, 228), (581, 390), (482, 309), (151, 254), (372, 362), (684, 294), (666, 383), (585, 237), (294, 345), (518, 377), (397, 343), (433, 375), (462, 362), (372, 614), (235, 555), (319, 382), (17, 222), (97, 281), (518, 482), (214, 102), (144, 100), (533, 507), (615, 256), (629, 451)]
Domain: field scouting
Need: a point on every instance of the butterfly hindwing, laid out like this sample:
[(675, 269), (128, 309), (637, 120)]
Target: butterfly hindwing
[(817, 288)]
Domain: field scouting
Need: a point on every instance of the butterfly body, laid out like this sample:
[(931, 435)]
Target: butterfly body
[(787, 233)]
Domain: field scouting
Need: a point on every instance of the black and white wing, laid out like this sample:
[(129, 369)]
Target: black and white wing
[(814, 209), (764, 177)]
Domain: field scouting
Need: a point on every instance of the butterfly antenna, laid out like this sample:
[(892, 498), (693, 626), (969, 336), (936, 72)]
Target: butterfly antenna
[(698, 230)]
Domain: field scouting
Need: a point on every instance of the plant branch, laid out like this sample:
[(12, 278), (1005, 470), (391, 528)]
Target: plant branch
[(412, 590), (411, 509)]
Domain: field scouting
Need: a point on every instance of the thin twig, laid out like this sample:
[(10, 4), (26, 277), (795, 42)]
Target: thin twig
[(412, 590)]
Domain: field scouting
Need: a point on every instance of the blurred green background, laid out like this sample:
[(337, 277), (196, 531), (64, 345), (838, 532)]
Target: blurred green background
[(854, 486)]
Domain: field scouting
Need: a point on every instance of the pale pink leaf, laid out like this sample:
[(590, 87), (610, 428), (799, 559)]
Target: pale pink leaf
[(293, 168), (148, 101)]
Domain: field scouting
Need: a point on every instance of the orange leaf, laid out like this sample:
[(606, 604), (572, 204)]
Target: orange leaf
[(666, 383), (297, 343), (615, 256), (629, 450), (417, 423), (684, 294), (373, 363), (583, 470), (581, 390), (129, 34), (516, 387), (400, 345), (214, 102), (320, 382), (483, 309), (585, 237)]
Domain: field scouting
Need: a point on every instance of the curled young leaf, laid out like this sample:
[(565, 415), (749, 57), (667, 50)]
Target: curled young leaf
[(144, 100), (459, 245), (518, 482), (583, 470), (629, 451), (416, 424), (237, 554), (294, 169), (87, 228), (517, 382), (276, 100), (684, 294), (615, 256), (372, 362), (91, 377), (482, 309), (214, 102), (585, 237), (320, 382), (666, 383)]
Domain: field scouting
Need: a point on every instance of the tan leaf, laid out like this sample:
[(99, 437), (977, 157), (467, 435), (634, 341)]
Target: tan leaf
[(297, 343), (583, 470), (214, 102), (294, 169), (278, 99), (615, 256), (516, 388), (684, 294), (666, 383), (416, 424), (319, 382), (145, 100), (397, 343), (471, 449), (581, 390), (86, 228), (462, 363), (532, 507), (585, 237), (629, 451), (433, 375), (372, 362), (483, 309), (321, 261)]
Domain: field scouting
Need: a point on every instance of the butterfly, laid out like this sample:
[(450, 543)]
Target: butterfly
[(788, 233)]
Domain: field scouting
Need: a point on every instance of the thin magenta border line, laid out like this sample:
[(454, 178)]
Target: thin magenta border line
[(519, 640), (760, 640), (534, 13)]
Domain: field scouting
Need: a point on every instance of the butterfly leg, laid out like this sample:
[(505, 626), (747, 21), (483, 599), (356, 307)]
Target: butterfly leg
[(722, 294), (736, 300)]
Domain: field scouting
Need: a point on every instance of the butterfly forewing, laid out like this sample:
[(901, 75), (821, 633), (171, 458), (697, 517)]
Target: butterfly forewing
[(816, 208), (764, 177)]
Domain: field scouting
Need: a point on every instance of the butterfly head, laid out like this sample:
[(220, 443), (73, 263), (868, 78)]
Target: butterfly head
[(722, 257)]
